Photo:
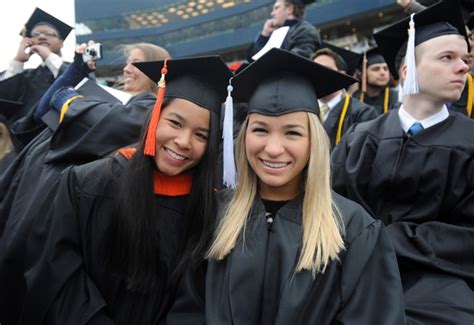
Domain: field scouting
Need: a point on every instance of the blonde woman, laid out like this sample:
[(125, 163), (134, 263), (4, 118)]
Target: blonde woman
[(287, 249)]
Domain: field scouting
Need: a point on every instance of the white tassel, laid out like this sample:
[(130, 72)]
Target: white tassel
[(230, 178), (410, 86)]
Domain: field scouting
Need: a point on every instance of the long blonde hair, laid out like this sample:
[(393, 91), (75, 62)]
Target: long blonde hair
[(323, 230)]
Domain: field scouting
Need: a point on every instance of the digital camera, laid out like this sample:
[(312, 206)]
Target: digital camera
[(92, 53)]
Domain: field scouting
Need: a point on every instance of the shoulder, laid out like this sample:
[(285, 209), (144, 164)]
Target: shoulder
[(98, 178), (356, 220)]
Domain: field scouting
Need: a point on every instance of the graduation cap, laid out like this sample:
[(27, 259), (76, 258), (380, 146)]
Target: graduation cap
[(300, 3), (443, 18), (201, 80), (351, 60), (279, 83), (40, 16), (8, 108)]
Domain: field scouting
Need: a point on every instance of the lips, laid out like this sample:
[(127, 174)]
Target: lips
[(274, 165), (174, 155)]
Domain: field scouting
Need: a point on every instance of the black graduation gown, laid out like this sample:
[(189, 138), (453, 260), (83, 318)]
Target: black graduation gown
[(66, 275), (422, 187), (28, 87), (91, 129), (356, 112), (378, 101), (302, 39), (256, 283)]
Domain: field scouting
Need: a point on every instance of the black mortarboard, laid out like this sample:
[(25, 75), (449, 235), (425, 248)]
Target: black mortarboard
[(443, 18), (350, 59), (374, 56), (201, 80), (40, 16), (282, 82), (8, 108)]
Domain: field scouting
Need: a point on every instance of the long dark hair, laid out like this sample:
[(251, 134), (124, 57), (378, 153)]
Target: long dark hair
[(132, 246)]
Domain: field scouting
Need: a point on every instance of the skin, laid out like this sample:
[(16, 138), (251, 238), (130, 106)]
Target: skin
[(378, 77), (277, 149), (135, 81), (328, 62), (181, 137), (42, 45), (281, 11), (441, 68)]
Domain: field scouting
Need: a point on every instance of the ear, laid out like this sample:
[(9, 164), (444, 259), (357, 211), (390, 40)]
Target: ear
[(403, 72), (291, 8)]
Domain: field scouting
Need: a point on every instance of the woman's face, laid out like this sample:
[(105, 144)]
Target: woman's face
[(135, 81), (181, 136), (277, 149)]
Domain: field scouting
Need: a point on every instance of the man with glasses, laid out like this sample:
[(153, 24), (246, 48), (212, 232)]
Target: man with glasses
[(43, 34)]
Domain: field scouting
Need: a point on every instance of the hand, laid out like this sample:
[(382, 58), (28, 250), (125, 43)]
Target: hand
[(404, 3), (80, 50), (22, 55), (41, 50), (268, 28)]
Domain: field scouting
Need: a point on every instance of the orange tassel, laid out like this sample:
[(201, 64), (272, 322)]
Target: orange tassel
[(155, 115)]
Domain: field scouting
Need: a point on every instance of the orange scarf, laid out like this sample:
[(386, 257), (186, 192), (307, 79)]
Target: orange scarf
[(163, 184)]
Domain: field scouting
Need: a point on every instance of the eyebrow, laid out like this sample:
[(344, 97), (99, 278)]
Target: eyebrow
[(286, 126), (181, 119)]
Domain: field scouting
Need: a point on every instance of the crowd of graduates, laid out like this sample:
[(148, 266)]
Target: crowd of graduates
[(304, 187)]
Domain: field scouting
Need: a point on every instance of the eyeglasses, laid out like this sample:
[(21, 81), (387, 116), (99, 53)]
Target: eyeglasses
[(36, 34)]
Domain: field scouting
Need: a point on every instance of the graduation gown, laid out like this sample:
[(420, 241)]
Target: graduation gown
[(256, 283), (422, 188), (378, 101), (28, 87), (66, 274), (356, 112), (90, 130)]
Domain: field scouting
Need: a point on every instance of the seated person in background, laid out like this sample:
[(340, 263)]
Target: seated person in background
[(43, 35), (413, 168), (91, 128), (338, 111), (302, 38), (287, 250), (374, 87), (465, 104)]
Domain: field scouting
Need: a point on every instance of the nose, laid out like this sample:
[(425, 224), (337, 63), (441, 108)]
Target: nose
[(183, 140), (463, 67), (128, 68), (274, 147)]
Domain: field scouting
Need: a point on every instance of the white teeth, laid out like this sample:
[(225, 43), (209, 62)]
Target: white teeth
[(174, 154), (273, 165)]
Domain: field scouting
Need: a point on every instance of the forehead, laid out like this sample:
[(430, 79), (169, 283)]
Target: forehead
[(295, 118), (452, 43), (325, 59), (377, 66), (279, 4), (44, 26)]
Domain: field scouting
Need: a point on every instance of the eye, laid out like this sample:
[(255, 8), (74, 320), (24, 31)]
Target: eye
[(259, 130), (294, 133), (202, 136), (446, 57), (174, 123)]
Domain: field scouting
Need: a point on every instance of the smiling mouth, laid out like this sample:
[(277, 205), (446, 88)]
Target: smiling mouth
[(274, 165), (174, 155)]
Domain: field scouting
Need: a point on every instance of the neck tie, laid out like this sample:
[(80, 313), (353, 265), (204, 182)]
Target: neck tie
[(323, 112), (415, 128)]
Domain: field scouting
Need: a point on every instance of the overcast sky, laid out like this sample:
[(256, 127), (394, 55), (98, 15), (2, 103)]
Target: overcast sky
[(14, 15)]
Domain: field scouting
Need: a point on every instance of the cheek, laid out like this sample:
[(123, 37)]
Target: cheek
[(200, 150)]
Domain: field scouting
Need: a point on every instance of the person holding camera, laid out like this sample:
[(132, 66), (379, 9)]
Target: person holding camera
[(90, 128), (43, 35)]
